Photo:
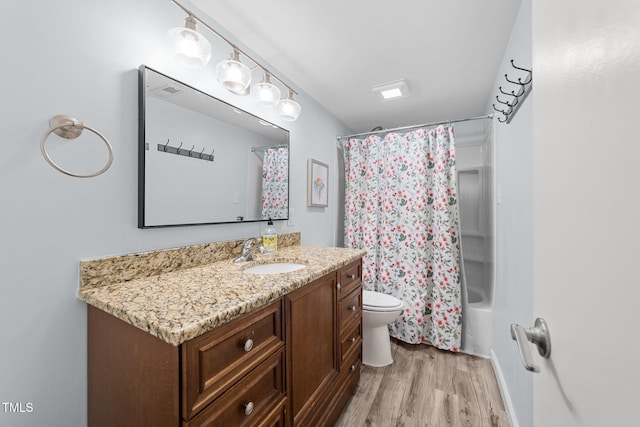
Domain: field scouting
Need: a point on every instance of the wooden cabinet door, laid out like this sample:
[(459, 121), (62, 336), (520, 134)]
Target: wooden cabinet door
[(312, 356), (133, 376)]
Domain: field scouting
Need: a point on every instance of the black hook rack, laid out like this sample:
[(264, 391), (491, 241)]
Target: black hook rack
[(517, 96), (166, 148)]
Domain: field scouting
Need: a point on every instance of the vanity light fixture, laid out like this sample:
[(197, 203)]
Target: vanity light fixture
[(233, 74), (187, 46), (392, 90), (267, 94), (288, 109), (192, 49)]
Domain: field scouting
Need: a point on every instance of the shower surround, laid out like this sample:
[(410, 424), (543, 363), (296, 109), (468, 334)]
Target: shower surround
[(475, 153)]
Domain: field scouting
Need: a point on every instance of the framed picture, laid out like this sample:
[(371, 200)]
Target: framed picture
[(317, 184)]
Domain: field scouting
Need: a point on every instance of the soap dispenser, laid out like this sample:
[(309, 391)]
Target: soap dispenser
[(270, 238)]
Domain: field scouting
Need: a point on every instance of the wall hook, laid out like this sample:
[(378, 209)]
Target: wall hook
[(507, 103), (517, 96), (505, 114), (529, 73), (506, 77), (513, 93), (519, 68), (166, 148)]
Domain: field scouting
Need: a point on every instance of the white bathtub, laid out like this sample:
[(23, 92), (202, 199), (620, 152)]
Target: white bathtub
[(477, 317)]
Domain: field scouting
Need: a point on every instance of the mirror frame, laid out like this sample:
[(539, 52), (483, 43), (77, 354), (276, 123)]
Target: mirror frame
[(142, 154)]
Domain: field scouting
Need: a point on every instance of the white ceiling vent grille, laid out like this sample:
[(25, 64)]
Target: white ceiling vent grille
[(166, 90)]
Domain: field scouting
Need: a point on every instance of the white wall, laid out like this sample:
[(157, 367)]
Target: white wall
[(81, 58), (513, 299)]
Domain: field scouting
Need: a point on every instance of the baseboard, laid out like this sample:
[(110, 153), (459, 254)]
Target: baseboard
[(504, 390), (471, 353)]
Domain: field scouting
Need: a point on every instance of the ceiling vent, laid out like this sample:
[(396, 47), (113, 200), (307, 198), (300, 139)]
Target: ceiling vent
[(392, 90), (166, 90)]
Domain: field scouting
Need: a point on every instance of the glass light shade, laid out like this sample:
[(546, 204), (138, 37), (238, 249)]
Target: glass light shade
[(234, 76), (267, 94), (188, 47), (288, 109)]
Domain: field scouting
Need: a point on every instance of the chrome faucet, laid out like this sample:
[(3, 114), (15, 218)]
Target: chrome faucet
[(248, 250)]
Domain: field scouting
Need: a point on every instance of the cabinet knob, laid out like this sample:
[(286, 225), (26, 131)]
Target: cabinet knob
[(248, 345), (352, 308), (353, 340), (353, 368), (351, 276), (248, 408), (338, 286)]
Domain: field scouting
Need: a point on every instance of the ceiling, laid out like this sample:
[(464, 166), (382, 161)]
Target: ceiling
[(449, 52)]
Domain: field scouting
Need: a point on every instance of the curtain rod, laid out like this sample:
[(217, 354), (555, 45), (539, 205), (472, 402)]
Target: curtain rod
[(254, 149), (488, 116)]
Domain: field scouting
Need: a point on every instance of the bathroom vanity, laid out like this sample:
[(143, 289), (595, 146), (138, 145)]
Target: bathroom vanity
[(214, 346)]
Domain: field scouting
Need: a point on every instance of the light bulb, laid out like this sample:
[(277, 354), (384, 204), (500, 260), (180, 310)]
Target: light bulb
[(187, 46), (266, 93), (289, 109), (234, 75)]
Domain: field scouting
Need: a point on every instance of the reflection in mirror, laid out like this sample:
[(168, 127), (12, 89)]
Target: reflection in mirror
[(203, 161)]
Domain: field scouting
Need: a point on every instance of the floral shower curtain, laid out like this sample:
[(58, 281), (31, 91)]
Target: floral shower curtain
[(401, 206), (275, 183)]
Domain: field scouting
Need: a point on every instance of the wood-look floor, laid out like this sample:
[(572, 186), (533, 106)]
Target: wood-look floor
[(426, 387)]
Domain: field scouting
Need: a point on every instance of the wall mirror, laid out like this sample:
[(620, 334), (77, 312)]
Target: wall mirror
[(203, 161)]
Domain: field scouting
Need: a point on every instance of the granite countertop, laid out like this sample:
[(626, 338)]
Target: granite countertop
[(184, 304)]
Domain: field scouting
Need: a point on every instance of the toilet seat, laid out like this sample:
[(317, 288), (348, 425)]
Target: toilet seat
[(376, 301)]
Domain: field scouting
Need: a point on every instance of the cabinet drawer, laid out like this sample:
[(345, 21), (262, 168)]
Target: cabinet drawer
[(349, 277), (216, 360), (352, 372), (257, 399), (276, 418), (351, 342), (350, 309)]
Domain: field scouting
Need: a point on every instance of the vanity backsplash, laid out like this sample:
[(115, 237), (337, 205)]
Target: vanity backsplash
[(122, 268)]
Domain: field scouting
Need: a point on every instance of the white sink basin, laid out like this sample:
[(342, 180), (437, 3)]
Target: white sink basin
[(274, 268)]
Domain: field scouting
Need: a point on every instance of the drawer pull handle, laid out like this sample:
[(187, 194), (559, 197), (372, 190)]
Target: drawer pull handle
[(352, 308), (248, 408), (353, 340), (248, 345), (351, 276), (338, 286), (353, 368)]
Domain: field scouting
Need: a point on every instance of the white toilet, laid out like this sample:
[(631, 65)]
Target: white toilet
[(378, 310)]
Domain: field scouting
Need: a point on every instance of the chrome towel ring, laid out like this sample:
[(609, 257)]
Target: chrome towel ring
[(70, 128)]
